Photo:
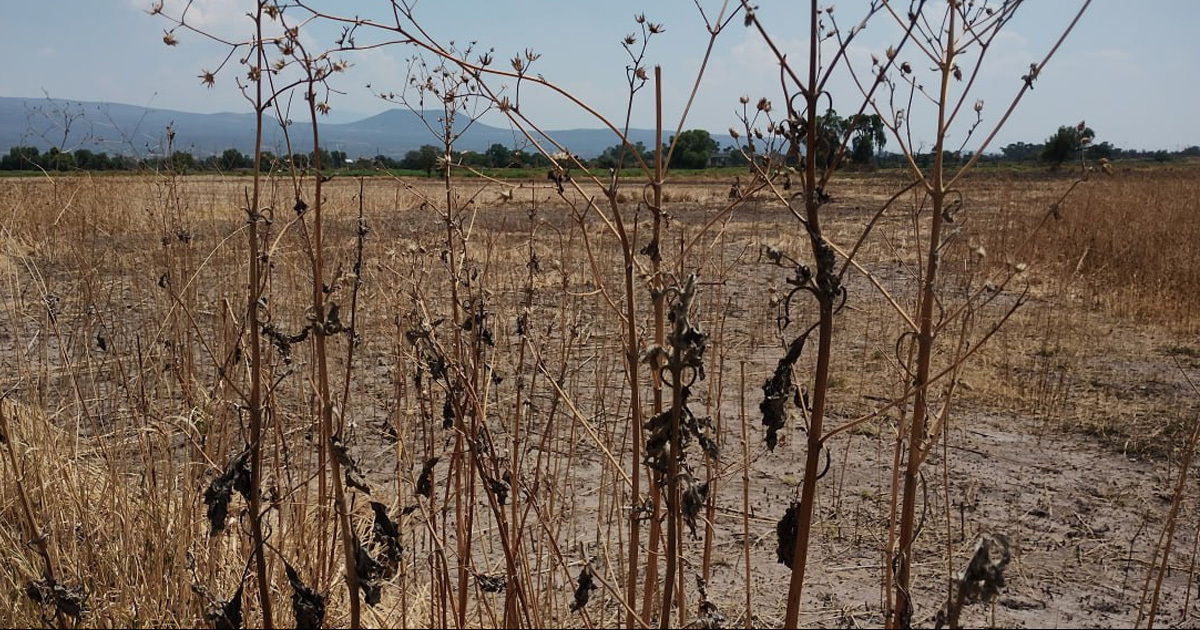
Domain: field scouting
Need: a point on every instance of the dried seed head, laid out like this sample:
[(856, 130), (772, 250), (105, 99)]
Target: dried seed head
[(744, 100), (891, 53), (978, 106), (630, 39), (733, 133), (656, 28), (641, 74), (640, 18), (906, 68), (169, 38), (764, 105), (207, 78)]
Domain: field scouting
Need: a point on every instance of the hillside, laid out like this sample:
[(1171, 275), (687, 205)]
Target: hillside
[(135, 130)]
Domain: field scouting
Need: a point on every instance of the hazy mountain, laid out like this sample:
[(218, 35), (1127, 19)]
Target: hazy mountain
[(135, 130)]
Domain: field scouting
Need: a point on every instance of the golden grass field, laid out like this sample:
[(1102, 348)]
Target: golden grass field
[(124, 358)]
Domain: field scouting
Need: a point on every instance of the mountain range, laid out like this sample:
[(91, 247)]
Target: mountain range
[(119, 128)]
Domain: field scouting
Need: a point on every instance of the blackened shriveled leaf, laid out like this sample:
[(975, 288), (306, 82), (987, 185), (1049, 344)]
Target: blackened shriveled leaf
[(448, 412), (389, 432), (237, 476), (491, 583), (49, 592), (369, 572), (709, 617), (980, 581), (227, 615), (341, 452), (307, 606), (776, 392), (425, 481), (584, 585), (500, 489), (386, 535), (372, 591), (216, 497), (785, 531), (384, 526), (694, 495), (355, 480), (282, 341)]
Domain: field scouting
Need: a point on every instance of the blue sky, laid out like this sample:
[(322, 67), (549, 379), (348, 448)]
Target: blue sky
[(1129, 69)]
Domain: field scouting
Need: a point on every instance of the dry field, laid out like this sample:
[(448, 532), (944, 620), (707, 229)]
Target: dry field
[(503, 416)]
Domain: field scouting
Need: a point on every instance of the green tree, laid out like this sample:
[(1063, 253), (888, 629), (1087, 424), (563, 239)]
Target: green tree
[(58, 160), (693, 149), (182, 162), (233, 159), (1022, 151), (20, 158), (869, 136), (1066, 143), (423, 159), (620, 154), (498, 156), (831, 128)]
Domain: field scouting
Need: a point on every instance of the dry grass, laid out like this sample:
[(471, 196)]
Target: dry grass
[(125, 297)]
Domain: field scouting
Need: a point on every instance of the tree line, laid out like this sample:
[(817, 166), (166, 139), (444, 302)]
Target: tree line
[(695, 149)]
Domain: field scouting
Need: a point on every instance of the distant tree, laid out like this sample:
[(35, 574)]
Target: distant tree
[(1022, 152), (301, 160), (693, 149), (85, 160), (472, 158), (870, 135), (1066, 143), (1102, 150), (620, 154), (498, 156), (233, 159), (423, 159), (59, 161), (831, 128), (20, 158), (182, 162), (383, 161)]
